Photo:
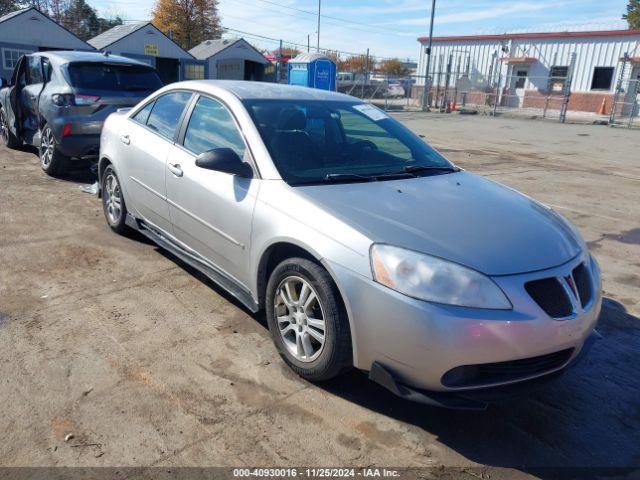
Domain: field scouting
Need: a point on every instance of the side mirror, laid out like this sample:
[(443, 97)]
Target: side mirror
[(224, 160)]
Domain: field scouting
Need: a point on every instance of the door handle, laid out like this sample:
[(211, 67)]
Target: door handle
[(125, 139), (175, 169)]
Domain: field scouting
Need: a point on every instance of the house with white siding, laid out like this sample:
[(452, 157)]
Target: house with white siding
[(29, 30), (524, 68)]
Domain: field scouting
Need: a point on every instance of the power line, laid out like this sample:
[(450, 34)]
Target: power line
[(377, 32), (263, 37), (315, 14)]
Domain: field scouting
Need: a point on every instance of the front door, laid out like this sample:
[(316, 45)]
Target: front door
[(146, 143), (518, 84), (30, 96), (212, 211)]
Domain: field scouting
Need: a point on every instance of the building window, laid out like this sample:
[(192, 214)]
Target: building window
[(10, 57), (193, 71), (557, 78), (602, 78)]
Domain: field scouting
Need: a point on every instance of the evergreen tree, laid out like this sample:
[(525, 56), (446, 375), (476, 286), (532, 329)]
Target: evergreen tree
[(633, 14)]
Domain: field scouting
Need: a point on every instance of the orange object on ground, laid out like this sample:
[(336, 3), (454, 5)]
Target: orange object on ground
[(603, 107)]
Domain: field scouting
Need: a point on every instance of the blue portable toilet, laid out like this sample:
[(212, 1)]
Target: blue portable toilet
[(313, 70)]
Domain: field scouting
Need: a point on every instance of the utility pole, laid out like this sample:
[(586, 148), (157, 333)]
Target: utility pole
[(427, 80), (319, 7), (308, 43), (279, 69), (366, 73)]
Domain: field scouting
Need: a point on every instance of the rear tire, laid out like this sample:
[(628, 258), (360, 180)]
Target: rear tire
[(8, 138), (113, 205), (52, 161), (307, 320)]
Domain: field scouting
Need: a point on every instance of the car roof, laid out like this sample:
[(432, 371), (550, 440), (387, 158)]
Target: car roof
[(246, 90), (65, 56)]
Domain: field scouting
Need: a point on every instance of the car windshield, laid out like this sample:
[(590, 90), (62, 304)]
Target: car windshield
[(314, 141), (113, 76)]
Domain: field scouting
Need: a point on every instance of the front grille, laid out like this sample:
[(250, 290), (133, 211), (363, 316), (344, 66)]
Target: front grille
[(582, 280), (551, 296), (501, 372)]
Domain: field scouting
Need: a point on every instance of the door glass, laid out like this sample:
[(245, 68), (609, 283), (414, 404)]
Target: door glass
[(212, 126), (522, 77), (34, 69), (166, 113), (143, 115)]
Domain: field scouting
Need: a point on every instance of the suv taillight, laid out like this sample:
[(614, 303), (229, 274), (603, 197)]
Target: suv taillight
[(86, 99), (68, 99), (62, 99)]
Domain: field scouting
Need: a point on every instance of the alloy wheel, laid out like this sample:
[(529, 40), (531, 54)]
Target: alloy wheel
[(300, 318), (47, 145), (4, 127), (112, 199)]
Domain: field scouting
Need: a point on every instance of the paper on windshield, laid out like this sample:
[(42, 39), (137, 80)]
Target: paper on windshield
[(372, 112)]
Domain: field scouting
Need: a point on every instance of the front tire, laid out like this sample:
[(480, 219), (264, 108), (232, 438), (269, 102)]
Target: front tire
[(8, 138), (52, 161), (307, 320), (113, 205)]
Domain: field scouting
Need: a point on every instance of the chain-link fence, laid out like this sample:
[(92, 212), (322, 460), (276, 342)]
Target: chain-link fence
[(518, 94), (625, 108)]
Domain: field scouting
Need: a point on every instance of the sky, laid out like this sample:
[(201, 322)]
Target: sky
[(389, 28)]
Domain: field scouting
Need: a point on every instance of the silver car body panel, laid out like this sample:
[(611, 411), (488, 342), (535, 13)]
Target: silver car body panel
[(228, 224)]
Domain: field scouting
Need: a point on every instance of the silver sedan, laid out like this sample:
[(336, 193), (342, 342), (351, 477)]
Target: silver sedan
[(365, 246)]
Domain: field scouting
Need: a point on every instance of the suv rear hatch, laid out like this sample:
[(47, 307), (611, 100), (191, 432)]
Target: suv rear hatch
[(100, 88)]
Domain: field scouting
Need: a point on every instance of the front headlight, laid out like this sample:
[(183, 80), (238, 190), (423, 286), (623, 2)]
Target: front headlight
[(435, 280)]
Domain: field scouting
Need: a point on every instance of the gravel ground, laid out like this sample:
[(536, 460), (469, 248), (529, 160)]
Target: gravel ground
[(147, 363)]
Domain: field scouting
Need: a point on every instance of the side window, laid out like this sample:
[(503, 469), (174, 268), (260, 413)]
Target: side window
[(212, 126), (357, 128), (166, 113), (48, 69), (34, 70), (143, 115)]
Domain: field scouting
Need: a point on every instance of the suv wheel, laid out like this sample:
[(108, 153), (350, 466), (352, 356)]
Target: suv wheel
[(307, 320), (115, 210), (52, 161), (8, 138)]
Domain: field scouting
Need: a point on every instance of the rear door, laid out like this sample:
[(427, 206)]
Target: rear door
[(147, 139)]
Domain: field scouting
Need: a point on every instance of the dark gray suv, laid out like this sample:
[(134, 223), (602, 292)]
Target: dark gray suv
[(57, 101)]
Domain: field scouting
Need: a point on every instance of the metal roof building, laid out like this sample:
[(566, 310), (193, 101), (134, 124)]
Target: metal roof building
[(143, 41), (528, 66), (28, 30), (233, 59)]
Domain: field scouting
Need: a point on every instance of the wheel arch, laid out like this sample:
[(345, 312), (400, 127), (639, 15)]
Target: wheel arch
[(282, 249)]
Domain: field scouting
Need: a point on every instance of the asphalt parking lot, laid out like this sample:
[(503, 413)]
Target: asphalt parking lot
[(145, 362)]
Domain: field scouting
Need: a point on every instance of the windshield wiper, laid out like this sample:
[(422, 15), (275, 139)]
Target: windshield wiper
[(427, 168), (347, 177)]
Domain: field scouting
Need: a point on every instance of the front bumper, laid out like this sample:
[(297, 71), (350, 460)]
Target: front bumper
[(417, 342), (472, 399)]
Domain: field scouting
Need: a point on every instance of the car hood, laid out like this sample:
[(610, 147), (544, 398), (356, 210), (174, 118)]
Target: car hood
[(460, 216)]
